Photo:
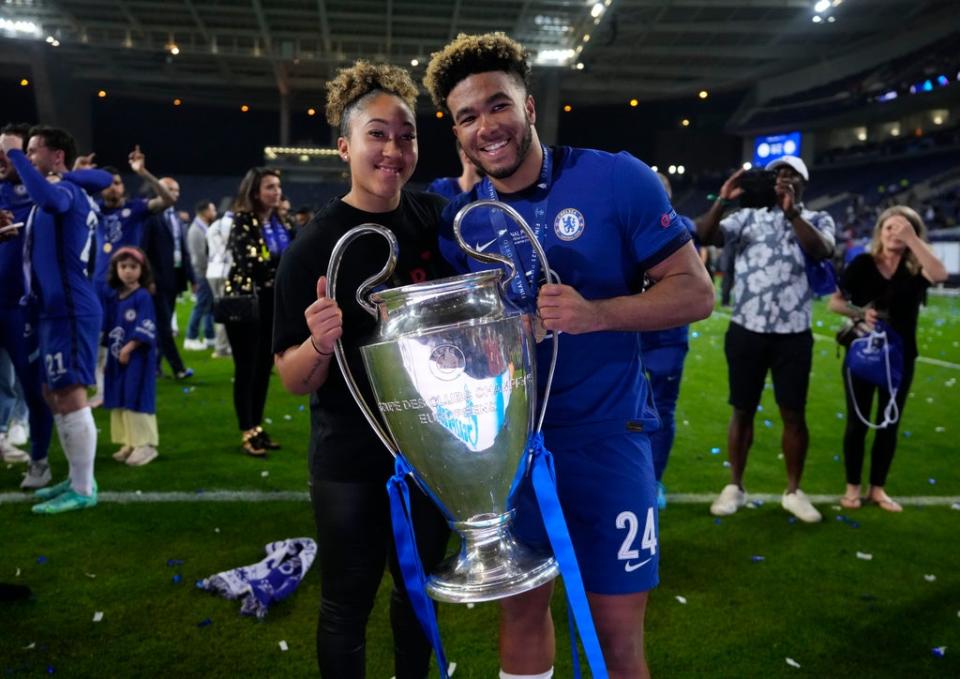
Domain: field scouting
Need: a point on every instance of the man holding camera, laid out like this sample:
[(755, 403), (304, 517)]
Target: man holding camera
[(770, 324)]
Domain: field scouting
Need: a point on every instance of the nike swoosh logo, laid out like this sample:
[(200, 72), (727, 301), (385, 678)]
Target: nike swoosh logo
[(631, 567), (481, 248)]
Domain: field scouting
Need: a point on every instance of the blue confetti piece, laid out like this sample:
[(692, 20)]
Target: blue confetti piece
[(41, 560), (759, 409), (206, 622), (819, 324), (839, 416), (768, 424), (906, 434), (186, 390), (792, 519), (717, 522), (300, 408), (836, 458), (756, 558), (714, 451), (932, 481), (726, 463), (694, 334), (177, 578), (174, 562), (199, 584), (939, 651), (51, 669)]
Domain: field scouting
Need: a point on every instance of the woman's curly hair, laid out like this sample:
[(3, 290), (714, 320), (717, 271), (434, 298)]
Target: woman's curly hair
[(469, 54), (363, 78)]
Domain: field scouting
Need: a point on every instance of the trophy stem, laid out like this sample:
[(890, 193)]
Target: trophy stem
[(490, 565)]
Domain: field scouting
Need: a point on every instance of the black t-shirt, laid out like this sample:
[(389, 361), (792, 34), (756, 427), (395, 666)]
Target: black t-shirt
[(343, 447), (899, 296)]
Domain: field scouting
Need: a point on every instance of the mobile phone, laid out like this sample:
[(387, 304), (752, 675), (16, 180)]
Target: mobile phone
[(10, 227), (759, 188)]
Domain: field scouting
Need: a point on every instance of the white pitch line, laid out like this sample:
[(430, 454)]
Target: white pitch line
[(132, 497), (827, 338)]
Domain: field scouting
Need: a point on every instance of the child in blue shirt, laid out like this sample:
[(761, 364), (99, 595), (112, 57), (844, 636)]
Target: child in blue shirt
[(130, 336)]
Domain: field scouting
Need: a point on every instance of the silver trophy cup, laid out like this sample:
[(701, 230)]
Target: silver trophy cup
[(452, 367)]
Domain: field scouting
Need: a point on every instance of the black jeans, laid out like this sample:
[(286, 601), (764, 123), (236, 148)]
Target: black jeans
[(165, 303), (252, 345), (355, 541), (884, 440)]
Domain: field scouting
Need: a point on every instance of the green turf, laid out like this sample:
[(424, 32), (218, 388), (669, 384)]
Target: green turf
[(810, 599)]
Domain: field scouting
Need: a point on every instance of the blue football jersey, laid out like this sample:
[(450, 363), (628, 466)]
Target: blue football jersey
[(603, 220), (118, 227), (132, 386), (14, 199)]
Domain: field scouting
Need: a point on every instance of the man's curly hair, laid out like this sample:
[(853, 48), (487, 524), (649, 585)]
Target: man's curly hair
[(469, 54), (363, 78)]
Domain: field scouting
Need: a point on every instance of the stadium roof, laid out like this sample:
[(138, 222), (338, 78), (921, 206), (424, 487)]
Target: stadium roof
[(608, 51)]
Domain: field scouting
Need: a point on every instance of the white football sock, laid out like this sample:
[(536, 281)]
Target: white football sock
[(78, 436)]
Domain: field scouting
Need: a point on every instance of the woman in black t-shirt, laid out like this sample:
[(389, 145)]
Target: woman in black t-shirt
[(890, 279), (373, 107)]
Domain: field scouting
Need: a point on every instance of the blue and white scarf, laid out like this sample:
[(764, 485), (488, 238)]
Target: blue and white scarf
[(265, 582)]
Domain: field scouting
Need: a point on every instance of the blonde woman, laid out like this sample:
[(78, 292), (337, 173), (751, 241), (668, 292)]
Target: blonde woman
[(890, 279)]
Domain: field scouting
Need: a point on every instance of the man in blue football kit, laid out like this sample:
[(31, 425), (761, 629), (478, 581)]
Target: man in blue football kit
[(604, 222), (69, 314), (121, 224)]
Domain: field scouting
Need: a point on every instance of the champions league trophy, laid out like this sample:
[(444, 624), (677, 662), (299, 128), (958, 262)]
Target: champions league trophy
[(452, 366)]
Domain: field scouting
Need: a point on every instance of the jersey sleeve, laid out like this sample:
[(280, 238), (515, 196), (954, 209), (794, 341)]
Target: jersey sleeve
[(145, 329), (48, 197), (653, 228), (139, 208), (92, 181)]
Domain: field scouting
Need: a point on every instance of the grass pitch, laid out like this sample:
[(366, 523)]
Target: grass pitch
[(738, 596)]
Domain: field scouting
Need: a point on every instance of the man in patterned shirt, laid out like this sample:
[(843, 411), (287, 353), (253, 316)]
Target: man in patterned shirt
[(770, 325)]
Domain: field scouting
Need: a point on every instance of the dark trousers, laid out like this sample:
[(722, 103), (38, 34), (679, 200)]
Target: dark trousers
[(355, 541), (165, 302), (884, 440), (252, 345)]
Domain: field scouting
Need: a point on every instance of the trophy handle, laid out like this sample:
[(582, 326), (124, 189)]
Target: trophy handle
[(492, 258), (333, 271)]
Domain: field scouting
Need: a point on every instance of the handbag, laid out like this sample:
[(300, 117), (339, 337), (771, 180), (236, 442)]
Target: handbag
[(878, 359), (236, 309)]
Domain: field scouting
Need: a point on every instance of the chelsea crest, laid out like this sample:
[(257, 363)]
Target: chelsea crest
[(569, 224)]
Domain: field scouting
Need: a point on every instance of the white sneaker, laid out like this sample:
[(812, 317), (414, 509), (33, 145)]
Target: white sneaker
[(797, 504), (10, 452), (37, 476), (731, 499), (19, 433), (142, 455), (194, 344)]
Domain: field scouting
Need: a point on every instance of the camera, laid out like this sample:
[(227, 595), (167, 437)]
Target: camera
[(759, 188)]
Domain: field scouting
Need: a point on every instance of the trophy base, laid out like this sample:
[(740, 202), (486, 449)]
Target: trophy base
[(491, 564)]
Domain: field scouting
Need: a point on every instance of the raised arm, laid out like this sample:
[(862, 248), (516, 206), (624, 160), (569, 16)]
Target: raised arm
[(708, 224), (46, 195), (163, 199)]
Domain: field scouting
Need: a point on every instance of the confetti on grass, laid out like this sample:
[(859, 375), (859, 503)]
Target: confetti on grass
[(283, 645), (939, 651), (174, 562), (930, 577), (264, 473), (714, 451), (98, 616), (864, 556), (793, 663), (681, 599), (756, 558), (41, 560), (206, 622)]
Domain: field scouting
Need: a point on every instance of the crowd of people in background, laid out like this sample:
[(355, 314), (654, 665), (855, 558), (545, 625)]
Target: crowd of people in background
[(90, 277)]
